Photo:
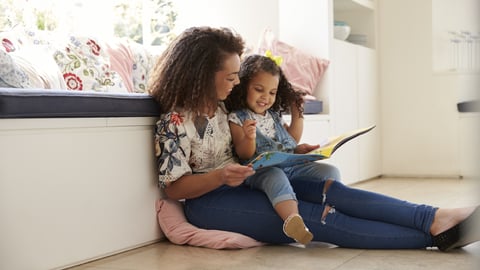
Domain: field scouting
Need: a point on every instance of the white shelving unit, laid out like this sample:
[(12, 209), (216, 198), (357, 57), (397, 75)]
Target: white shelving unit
[(360, 16), (355, 99), (349, 88)]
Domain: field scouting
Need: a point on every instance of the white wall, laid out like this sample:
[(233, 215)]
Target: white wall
[(247, 17), (419, 117)]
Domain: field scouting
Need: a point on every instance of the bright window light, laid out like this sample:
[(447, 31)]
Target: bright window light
[(148, 22)]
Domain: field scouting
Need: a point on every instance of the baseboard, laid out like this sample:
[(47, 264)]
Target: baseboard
[(113, 253), (418, 176)]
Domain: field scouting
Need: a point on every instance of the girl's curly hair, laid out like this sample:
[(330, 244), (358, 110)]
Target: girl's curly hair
[(184, 75), (249, 68)]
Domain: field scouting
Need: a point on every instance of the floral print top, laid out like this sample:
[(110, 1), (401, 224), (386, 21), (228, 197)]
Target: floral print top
[(186, 144)]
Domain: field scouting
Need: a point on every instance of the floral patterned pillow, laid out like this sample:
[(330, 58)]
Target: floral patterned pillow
[(24, 65), (79, 63), (10, 73), (144, 61), (85, 65), (12, 40), (30, 67), (133, 62)]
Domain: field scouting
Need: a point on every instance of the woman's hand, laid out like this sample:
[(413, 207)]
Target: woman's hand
[(195, 185), (305, 148), (234, 174)]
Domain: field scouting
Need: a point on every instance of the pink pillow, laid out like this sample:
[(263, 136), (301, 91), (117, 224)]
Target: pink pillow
[(121, 61), (177, 229), (304, 71)]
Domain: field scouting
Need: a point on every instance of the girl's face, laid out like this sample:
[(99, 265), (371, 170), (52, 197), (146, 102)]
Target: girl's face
[(262, 91), (227, 78)]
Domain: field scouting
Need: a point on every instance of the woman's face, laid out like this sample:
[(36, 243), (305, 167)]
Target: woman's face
[(227, 78)]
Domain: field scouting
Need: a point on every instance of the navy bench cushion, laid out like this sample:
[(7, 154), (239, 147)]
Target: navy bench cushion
[(41, 103)]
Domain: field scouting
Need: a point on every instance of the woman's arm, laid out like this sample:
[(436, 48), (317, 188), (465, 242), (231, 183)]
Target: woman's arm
[(173, 150), (244, 138), (195, 185)]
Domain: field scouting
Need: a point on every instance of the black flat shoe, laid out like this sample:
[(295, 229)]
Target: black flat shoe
[(464, 233)]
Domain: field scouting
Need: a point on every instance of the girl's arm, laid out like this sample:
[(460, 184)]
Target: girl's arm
[(244, 138), (296, 125), (195, 185)]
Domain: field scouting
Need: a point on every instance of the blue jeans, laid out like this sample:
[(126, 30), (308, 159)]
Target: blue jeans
[(359, 219), (276, 182)]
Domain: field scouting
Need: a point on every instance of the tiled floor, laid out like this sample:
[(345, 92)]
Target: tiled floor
[(439, 192)]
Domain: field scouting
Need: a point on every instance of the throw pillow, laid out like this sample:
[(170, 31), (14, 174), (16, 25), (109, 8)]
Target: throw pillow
[(85, 65), (30, 67), (304, 71), (178, 230)]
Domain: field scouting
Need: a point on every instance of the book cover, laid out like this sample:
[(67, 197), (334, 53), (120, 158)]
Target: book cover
[(282, 159)]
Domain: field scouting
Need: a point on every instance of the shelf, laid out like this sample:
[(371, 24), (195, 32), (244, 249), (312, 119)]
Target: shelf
[(354, 5), (360, 16), (348, 43), (310, 117)]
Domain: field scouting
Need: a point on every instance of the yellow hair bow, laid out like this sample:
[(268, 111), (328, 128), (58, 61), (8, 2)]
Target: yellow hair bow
[(277, 59)]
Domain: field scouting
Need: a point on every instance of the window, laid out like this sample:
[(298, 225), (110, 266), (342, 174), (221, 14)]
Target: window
[(144, 21)]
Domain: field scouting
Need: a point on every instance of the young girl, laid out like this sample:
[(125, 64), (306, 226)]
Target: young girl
[(256, 125)]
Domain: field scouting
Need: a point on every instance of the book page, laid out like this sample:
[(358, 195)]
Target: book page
[(335, 142)]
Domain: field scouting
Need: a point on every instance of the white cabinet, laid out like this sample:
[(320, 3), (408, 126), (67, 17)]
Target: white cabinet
[(368, 113), (345, 108), (354, 91), (349, 86), (75, 189), (356, 105)]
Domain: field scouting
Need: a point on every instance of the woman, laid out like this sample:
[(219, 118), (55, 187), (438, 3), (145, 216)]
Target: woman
[(195, 162)]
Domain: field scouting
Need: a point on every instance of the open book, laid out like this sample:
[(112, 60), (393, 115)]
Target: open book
[(283, 159)]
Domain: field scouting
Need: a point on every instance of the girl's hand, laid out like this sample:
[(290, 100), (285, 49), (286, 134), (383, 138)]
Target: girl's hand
[(250, 128), (234, 174), (305, 148)]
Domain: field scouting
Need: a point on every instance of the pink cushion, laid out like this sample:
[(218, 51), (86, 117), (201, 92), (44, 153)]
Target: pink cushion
[(121, 61), (177, 229), (304, 71)]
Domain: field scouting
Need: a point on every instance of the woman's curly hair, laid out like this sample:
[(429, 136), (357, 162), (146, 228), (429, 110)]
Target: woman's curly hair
[(249, 68), (184, 75)]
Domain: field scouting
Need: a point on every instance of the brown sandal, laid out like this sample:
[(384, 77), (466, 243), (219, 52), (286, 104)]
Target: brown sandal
[(295, 228)]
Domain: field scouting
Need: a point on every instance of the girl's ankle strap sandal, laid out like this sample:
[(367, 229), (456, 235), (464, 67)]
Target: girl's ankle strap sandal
[(295, 228)]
